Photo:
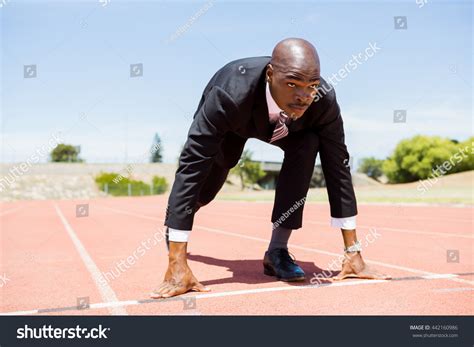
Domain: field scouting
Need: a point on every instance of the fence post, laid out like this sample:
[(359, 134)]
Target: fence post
[(129, 189), (151, 188), (106, 188)]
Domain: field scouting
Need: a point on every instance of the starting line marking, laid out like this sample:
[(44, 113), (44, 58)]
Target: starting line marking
[(123, 304)]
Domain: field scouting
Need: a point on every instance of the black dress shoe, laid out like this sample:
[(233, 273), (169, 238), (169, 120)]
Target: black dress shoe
[(280, 264)]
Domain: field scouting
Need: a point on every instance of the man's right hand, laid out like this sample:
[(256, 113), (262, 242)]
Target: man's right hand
[(178, 278)]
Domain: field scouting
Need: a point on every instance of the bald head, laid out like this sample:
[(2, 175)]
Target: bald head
[(295, 53), (293, 75)]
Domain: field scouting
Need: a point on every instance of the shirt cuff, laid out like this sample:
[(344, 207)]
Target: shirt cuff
[(176, 235), (347, 223)]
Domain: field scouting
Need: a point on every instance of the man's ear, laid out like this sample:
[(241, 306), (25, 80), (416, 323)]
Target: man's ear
[(269, 73)]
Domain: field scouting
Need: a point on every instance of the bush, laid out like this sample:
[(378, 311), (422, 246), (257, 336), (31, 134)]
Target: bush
[(159, 185), (468, 162), (117, 185), (416, 158), (372, 167)]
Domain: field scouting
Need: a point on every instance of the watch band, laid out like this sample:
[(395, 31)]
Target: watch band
[(356, 247)]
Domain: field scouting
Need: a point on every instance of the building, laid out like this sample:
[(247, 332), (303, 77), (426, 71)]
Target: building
[(272, 170)]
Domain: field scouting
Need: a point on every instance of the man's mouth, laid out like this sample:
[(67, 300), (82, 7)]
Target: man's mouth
[(299, 107)]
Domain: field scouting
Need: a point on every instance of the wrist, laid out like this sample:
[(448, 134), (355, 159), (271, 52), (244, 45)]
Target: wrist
[(177, 251)]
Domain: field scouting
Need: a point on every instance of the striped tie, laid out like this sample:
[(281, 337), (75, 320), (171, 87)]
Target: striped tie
[(281, 130)]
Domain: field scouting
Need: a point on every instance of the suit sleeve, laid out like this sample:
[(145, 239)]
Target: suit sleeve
[(211, 121), (335, 164)]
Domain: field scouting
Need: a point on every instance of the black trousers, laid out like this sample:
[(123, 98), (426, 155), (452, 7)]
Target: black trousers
[(300, 148)]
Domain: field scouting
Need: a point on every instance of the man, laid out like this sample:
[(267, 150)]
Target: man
[(284, 101)]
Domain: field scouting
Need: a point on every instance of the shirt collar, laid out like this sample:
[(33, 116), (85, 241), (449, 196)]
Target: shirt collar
[(271, 104)]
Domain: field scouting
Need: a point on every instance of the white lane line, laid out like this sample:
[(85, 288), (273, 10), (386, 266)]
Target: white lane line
[(436, 276), (313, 250), (359, 226), (289, 288), (106, 292), (242, 292), (19, 313), (452, 290), (114, 304), (12, 210)]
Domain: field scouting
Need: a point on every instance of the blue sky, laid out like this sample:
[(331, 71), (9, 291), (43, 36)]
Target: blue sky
[(83, 51)]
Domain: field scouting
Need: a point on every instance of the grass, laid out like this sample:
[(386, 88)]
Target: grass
[(406, 193)]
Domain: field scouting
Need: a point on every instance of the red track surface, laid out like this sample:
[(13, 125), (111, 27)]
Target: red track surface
[(50, 257)]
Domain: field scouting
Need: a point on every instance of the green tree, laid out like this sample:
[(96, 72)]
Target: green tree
[(66, 153), (466, 149), (371, 166), (416, 158), (156, 150), (248, 171)]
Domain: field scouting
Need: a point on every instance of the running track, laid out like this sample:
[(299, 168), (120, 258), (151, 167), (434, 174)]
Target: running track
[(50, 257)]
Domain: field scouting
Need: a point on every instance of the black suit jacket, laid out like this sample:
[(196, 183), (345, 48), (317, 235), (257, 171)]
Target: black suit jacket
[(232, 109)]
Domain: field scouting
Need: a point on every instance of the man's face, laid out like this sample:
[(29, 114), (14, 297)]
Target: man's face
[(293, 88)]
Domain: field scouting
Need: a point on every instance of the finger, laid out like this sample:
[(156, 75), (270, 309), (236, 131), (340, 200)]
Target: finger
[(160, 287), (198, 287), (168, 289), (340, 276), (373, 274), (158, 292), (382, 277), (175, 291)]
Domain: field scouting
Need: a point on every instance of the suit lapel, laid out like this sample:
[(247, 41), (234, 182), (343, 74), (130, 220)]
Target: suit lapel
[(296, 125), (260, 112)]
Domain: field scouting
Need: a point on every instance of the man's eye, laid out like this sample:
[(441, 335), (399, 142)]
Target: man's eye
[(315, 86), (291, 85)]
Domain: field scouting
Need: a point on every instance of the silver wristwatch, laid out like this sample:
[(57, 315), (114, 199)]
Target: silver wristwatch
[(356, 247)]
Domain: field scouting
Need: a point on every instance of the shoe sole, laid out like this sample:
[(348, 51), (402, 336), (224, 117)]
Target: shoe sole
[(271, 273)]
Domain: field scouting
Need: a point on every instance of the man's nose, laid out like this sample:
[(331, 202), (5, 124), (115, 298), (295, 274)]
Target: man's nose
[(303, 97)]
